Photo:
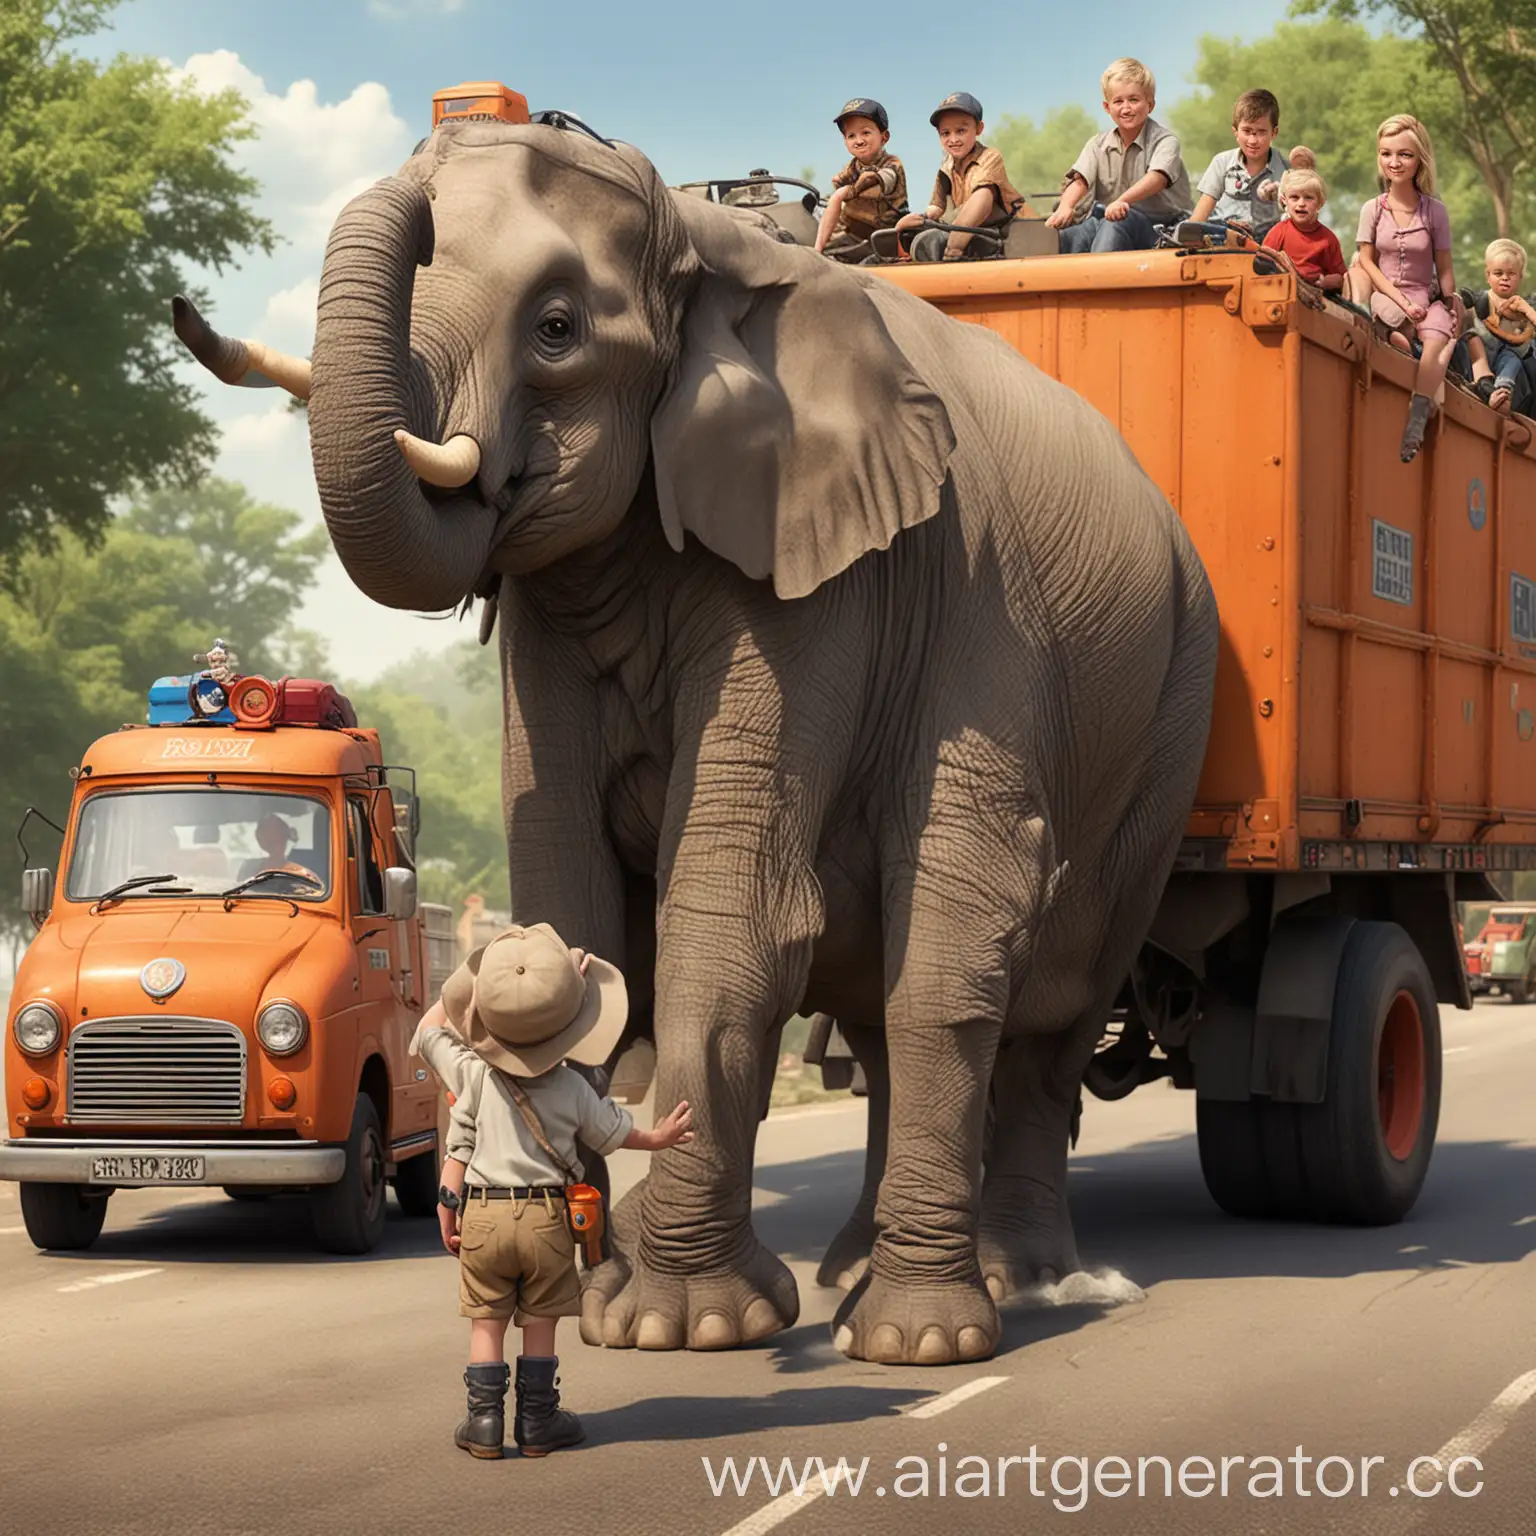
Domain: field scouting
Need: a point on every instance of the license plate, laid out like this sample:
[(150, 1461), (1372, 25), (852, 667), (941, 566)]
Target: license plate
[(147, 1170)]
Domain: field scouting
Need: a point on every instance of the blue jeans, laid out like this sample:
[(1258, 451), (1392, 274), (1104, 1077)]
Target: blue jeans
[(1509, 370), (1096, 234)]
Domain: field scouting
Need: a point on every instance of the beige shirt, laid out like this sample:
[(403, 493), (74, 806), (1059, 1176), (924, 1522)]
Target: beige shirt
[(488, 1134), (882, 205), (982, 167), (1110, 167)]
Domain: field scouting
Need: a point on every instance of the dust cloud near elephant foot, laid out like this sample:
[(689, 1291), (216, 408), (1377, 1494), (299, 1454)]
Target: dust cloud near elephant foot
[(1018, 1263), (893, 1324), (847, 1256), (629, 1305), (1084, 1288)]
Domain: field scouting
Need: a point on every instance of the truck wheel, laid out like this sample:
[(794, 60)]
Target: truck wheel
[(61, 1216), (1519, 991), (1359, 1157), (417, 1182), (349, 1214)]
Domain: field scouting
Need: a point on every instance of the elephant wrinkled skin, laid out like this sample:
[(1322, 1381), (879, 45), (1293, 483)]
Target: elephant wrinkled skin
[(849, 664)]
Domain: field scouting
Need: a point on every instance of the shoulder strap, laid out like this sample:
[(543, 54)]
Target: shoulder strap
[(531, 1119)]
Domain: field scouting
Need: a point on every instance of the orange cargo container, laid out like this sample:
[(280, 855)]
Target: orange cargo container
[(1373, 743)]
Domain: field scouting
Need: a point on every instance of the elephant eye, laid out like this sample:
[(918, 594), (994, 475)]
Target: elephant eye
[(555, 333)]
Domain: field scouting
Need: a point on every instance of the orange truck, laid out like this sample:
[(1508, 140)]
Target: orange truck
[(1372, 754), (227, 973)]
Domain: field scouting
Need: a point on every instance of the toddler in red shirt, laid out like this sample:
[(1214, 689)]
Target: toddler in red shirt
[(1310, 248)]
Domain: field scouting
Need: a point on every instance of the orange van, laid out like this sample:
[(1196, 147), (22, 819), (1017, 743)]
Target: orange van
[(228, 972)]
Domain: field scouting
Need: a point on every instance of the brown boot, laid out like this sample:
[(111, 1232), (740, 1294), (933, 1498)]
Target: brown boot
[(1419, 409), (542, 1425)]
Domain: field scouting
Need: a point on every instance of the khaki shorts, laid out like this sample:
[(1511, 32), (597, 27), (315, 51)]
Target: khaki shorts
[(517, 1259)]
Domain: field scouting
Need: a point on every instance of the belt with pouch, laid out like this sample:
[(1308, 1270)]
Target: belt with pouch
[(520, 1192)]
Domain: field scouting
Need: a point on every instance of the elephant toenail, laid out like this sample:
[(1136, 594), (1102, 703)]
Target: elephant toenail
[(975, 1343), (658, 1332), (886, 1345), (759, 1320), (842, 1340), (933, 1348), (996, 1288), (713, 1330), (615, 1333)]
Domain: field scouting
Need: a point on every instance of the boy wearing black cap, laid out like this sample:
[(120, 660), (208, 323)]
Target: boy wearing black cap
[(972, 176), (870, 192)]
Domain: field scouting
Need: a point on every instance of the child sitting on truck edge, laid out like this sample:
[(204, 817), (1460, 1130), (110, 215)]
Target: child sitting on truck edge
[(498, 1039), (1309, 247), (1500, 367), (972, 177), (1131, 176), (870, 192), (1241, 185)]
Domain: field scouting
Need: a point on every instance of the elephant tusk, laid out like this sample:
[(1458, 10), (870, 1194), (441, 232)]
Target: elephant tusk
[(446, 465), (252, 364), (290, 373)]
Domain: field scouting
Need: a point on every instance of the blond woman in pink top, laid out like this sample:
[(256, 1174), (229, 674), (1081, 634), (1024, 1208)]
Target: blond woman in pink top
[(1403, 269)]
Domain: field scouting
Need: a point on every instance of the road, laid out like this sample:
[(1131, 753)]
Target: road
[(203, 1370)]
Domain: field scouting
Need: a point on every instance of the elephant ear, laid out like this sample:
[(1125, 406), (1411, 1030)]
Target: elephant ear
[(796, 435)]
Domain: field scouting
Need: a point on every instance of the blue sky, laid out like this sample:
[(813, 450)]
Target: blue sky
[(341, 90)]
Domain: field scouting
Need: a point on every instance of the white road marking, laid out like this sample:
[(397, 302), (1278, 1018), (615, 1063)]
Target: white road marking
[(1525, 1221), (1491, 1422), (116, 1278), (787, 1504), (11, 1231), (1454, 1050), (938, 1405)]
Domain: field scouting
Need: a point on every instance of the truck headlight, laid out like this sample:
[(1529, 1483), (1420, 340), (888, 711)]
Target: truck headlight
[(282, 1028), (37, 1028)]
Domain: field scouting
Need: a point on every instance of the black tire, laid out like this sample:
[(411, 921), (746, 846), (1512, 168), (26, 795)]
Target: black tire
[(416, 1183), (247, 1194), (349, 1214), (1519, 991), (62, 1216), (1361, 1156)]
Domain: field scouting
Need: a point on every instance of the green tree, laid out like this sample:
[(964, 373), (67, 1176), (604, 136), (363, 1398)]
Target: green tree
[(1038, 157), (441, 715), (83, 632), (1486, 51), (1336, 81), (114, 184)]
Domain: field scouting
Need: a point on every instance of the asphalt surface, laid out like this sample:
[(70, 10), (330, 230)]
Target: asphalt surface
[(202, 1369)]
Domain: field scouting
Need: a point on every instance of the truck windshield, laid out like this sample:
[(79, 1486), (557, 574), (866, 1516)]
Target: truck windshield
[(208, 839)]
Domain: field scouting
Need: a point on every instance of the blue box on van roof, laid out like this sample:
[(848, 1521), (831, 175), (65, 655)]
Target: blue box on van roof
[(168, 704)]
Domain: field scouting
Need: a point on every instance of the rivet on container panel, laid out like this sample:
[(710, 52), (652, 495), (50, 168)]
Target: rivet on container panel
[(1269, 650), (1266, 707), (1268, 544)]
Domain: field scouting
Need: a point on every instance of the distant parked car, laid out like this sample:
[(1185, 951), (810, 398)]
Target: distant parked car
[(1501, 957)]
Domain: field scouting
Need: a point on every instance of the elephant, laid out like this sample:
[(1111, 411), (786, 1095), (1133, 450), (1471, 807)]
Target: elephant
[(850, 664)]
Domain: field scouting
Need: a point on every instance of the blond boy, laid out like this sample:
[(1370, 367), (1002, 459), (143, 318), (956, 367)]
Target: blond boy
[(1310, 248), (1501, 366), (1129, 181)]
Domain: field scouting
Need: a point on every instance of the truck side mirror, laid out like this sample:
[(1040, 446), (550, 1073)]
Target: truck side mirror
[(399, 894), (37, 893)]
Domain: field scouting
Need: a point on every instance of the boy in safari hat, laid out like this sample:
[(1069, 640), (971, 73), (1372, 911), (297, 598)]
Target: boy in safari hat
[(498, 1039)]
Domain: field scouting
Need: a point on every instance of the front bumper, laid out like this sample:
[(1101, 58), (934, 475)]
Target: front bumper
[(39, 1161)]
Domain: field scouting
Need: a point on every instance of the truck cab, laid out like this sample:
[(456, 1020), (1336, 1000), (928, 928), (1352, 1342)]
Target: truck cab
[(227, 971)]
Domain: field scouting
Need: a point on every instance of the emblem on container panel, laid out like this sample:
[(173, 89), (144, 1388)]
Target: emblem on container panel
[(1477, 505), (162, 977)]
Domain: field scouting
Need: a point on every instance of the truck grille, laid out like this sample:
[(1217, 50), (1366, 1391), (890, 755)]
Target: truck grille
[(157, 1072)]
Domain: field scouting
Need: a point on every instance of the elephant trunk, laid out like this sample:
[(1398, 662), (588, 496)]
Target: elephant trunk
[(401, 548)]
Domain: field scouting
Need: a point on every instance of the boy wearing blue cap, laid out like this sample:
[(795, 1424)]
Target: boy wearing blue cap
[(870, 192), (972, 177)]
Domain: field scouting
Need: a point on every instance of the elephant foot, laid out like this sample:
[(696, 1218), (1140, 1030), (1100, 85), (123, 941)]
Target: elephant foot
[(933, 1324), (1019, 1258), (847, 1256), (627, 1304)]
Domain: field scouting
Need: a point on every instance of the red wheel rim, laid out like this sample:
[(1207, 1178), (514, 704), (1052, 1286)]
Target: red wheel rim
[(1400, 1076)]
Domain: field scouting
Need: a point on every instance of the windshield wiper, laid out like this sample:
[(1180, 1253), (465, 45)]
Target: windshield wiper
[(270, 874), (118, 891)]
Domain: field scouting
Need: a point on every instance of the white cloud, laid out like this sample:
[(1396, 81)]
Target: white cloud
[(289, 321), (309, 156), (264, 431)]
